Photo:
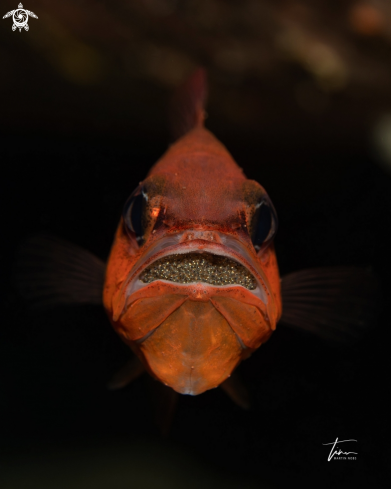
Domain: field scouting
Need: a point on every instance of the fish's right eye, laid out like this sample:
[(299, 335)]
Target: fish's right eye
[(263, 224), (133, 214)]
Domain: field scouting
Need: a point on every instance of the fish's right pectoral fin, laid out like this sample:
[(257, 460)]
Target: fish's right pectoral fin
[(339, 304), (50, 272)]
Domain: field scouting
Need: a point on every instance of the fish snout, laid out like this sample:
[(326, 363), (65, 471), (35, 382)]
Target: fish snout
[(190, 235)]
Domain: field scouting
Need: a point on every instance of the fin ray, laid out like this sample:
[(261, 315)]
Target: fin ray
[(337, 304), (51, 271)]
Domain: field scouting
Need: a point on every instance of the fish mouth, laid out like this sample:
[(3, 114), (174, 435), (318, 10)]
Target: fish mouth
[(216, 265), (208, 268)]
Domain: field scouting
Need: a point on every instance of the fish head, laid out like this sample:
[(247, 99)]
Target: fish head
[(192, 282)]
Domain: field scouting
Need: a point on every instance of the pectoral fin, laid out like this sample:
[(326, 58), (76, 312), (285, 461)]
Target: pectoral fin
[(337, 304), (51, 271)]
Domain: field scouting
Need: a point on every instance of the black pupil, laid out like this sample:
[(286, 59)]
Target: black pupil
[(133, 215), (261, 225)]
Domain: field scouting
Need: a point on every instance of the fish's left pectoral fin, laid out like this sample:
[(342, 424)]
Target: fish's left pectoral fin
[(127, 374), (237, 391), (50, 271), (339, 304)]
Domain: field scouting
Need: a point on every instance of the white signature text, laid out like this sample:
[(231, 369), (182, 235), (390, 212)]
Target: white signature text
[(335, 451)]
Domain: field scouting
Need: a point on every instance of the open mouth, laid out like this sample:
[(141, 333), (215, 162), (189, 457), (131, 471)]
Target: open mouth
[(204, 267)]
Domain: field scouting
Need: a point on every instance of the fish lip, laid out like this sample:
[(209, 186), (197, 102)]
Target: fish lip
[(229, 247)]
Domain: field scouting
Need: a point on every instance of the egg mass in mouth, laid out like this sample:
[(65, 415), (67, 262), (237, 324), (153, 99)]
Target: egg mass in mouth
[(199, 267)]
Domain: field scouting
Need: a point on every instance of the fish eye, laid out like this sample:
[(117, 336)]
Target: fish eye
[(263, 224), (133, 213)]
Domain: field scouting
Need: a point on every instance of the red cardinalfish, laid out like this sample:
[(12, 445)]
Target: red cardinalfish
[(192, 282)]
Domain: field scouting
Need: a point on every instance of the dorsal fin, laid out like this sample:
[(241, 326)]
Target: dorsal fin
[(187, 108)]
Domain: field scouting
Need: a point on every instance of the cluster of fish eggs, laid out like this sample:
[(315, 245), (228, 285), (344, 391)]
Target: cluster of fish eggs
[(197, 267)]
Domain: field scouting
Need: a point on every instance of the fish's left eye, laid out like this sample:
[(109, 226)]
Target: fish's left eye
[(133, 213), (263, 224)]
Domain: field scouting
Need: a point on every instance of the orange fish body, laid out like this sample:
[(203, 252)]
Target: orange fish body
[(192, 282)]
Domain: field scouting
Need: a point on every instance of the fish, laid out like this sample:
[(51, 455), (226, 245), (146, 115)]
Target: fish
[(192, 282)]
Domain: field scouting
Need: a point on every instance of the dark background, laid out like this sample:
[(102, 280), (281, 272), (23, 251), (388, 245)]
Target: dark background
[(300, 94)]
